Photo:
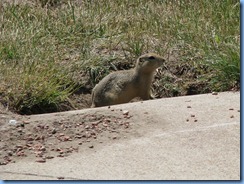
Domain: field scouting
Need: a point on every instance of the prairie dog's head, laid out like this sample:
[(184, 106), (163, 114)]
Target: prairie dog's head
[(149, 62)]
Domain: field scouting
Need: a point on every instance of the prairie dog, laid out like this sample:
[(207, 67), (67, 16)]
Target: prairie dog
[(122, 86)]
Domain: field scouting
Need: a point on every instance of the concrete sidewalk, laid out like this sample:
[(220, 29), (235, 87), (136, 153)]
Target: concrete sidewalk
[(183, 138)]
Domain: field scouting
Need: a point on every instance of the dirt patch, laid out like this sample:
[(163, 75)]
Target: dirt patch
[(42, 140), (80, 101)]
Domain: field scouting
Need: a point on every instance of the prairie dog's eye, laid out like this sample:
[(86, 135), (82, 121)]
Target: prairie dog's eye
[(151, 57)]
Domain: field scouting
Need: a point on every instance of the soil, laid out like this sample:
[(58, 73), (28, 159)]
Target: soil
[(42, 139)]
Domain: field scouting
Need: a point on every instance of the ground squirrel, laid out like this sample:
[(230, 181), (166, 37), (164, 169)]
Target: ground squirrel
[(122, 86)]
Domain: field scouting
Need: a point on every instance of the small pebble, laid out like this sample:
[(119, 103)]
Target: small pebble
[(28, 145), (126, 125), (4, 163), (61, 152), (125, 112), (127, 117), (188, 106), (29, 139), (232, 116), (231, 109), (214, 93), (42, 148), (12, 122), (10, 153), (19, 146), (49, 157), (91, 146), (78, 136), (54, 131), (67, 138)]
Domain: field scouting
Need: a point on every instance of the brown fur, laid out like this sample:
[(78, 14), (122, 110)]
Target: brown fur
[(122, 86)]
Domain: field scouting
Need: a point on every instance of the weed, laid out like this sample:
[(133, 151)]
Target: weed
[(227, 69)]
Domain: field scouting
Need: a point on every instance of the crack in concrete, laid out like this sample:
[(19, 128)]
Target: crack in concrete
[(43, 175), (204, 128)]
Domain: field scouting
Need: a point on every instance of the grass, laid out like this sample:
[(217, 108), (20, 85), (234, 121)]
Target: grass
[(48, 52)]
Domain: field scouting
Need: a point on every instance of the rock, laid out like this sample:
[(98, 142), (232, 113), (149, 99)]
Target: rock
[(49, 157), (125, 112), (214, 93), (91, 146), (12, 122), (54, 131)]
